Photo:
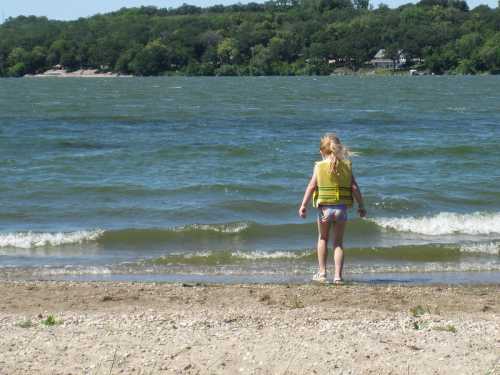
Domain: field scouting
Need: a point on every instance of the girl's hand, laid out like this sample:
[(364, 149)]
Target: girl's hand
[(361, 211), (303, 212)]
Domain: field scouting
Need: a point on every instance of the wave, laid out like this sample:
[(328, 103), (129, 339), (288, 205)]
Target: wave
[(452, 150), (492, 248), (406, 272), (213, 235), (412, 253), (455, 150), (80, 144), (71, 270), (216, 228), (29, 240), (395, 203), (216, 149), (209, 258), (141, 190), (439, 273), (445, 223), (425, 230), (238, 235), (228, 188), (201, 233), (257, 206)]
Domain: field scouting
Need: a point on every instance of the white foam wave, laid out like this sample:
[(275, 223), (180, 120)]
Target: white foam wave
[(477, 223), (268, 255), (29, 240), (426, 267), (93, 270), (249, 255), (71, 270), (483, 248), (219, 228), (189, 255)]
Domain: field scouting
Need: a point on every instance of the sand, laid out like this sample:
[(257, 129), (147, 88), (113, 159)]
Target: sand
[(83, 73), (147, 328)]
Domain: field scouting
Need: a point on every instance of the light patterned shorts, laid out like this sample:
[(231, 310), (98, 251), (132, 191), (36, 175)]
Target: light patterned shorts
[(331, 213)]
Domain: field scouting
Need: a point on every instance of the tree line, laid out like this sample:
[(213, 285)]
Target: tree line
[(279, 37)]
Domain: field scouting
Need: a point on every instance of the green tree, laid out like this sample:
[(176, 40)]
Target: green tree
[(38, 59), (317, 66), (465, 66), (284, 47), (227, 51), (61, 52), (442, 61), (227, 70), (489, 53), (260, 63), (18, 62), (459, 4), (284, 37), (325, 5), (361, 4), (432, 3), (206, 45), (151, 60), (3, 61), (123, 64), (467, 45), (17, 70)]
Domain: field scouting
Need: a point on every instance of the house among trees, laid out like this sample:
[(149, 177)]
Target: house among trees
[(383, 60)]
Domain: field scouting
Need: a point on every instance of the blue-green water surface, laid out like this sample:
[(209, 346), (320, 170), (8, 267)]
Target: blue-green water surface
[(203, 176)]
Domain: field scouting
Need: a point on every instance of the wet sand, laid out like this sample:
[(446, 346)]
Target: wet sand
[(148, 328)]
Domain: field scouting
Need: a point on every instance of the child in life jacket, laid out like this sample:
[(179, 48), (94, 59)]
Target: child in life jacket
[(332, 188)]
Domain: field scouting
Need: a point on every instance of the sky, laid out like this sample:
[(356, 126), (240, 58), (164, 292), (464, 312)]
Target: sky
[(70, 10)]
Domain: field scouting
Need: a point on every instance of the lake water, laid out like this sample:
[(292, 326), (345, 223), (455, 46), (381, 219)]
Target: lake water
[(179, 178)]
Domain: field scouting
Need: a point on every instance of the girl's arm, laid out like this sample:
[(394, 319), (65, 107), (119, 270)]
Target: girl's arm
[(307, 195), (356, 193)]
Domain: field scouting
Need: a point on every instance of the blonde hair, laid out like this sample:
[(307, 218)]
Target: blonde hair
[(331, 148)]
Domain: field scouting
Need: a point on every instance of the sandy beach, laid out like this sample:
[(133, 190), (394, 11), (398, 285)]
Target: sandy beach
[(146, 328), (84, 73)]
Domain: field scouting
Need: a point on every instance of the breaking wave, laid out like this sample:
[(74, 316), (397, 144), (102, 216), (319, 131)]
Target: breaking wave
[(445, 223), (478, 227), (29, 240)]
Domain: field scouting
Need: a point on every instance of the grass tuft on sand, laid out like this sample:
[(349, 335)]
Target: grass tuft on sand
[(418, 311), (51, 321), (447, 328), (25, 323), (419, 325)]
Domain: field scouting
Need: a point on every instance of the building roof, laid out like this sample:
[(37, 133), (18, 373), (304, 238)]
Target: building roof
[(380, 54)]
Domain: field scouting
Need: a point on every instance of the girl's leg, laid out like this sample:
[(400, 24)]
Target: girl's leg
[(323, 228), (338, 247)]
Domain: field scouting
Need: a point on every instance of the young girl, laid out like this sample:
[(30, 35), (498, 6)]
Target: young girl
[(332, 188)]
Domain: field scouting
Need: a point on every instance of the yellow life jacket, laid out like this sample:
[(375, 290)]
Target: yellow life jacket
[(335, 187)]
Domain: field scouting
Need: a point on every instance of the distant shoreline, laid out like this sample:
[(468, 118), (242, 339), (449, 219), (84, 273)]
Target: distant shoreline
[(59, 71), (80, 73), (95, 73)]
